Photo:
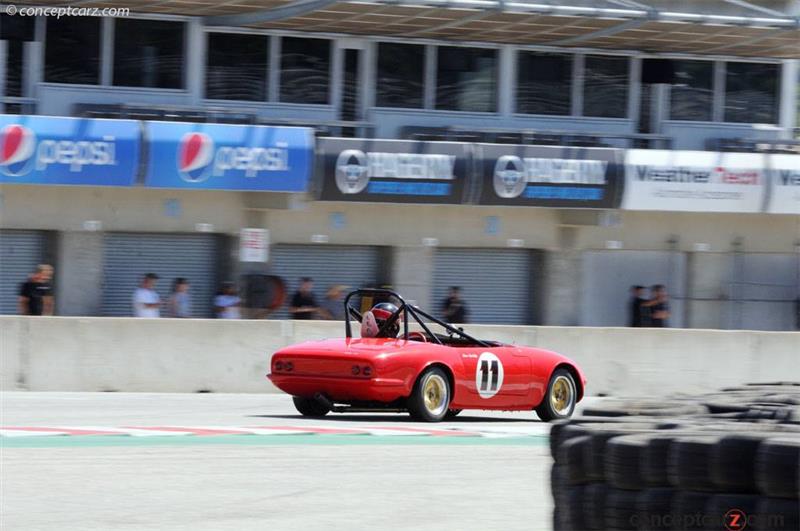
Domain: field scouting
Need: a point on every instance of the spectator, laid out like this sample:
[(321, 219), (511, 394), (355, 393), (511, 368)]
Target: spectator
[(227, 302), (146, 300), (639, 312), (180, 302), (304, 306), (659, 306), (36, 294), (332, 306), (454, 308)]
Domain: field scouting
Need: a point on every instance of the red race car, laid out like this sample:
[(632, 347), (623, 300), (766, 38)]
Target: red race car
[(433, 376)]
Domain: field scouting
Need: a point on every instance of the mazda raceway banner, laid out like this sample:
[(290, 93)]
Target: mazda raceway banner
[(695, 181), (72, 151), (82, 151), (396, 171), (566, 177)]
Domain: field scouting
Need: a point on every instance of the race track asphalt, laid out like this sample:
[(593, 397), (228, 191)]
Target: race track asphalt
[(496, 477)]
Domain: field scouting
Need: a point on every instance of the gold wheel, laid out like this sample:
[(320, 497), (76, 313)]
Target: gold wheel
[(434, 394), (562, 395)]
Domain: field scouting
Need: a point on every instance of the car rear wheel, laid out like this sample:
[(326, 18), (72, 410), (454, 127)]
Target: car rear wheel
[(308, 407), (431, 396), (560, 398)]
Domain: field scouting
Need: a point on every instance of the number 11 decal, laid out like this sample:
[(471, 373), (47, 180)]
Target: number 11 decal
[(488, 375)]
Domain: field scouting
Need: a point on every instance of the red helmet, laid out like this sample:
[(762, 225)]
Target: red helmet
[(384, 310)]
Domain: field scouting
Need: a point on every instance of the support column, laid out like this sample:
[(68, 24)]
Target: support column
[(411, 273), (79, 270), (195, 60), (790, 78), (429, 88), (507, 81), (561, 282), (3, 61)]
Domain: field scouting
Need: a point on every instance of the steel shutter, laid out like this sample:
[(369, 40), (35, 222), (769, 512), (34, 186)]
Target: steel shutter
[(128, 256), (495, 283), (20, 252), (352, 265)]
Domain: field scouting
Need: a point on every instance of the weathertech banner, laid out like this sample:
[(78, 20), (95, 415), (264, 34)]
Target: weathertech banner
[(694, 181), (396, 171), (784, 194), (549, 176)]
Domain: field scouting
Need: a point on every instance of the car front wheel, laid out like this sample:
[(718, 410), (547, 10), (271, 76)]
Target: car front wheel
[(431, 396), (560, 399)]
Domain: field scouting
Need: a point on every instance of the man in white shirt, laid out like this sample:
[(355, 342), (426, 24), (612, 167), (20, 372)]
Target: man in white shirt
[(146, 301), (226, 304)]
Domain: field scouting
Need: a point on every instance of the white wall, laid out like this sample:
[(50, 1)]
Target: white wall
[(123, 354)]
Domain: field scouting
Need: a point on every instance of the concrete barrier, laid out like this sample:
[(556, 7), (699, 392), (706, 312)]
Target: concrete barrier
[(179, 355)]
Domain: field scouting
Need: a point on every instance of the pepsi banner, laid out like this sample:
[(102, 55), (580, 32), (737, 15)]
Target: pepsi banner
[(228, 157), (397, 171), (784, 197), (694, 181), (549, 176), (68, 151)]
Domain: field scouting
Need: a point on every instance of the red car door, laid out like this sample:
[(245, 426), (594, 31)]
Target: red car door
[(495, 377)]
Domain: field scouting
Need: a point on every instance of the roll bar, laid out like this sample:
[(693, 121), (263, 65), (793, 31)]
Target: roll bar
[(404, 309)]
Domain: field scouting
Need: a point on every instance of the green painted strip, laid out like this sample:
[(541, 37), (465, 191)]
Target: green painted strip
[(88, 441)]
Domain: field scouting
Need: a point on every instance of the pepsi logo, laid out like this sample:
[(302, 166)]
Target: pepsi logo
[(195, 152), (17, 144)]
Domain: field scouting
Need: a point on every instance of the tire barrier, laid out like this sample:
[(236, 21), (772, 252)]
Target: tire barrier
[(723, 460)]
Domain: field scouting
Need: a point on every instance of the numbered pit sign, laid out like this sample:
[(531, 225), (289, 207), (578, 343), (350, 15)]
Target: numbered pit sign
[(488, 375)]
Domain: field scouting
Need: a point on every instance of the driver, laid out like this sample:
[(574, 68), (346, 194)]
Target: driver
[(373, 320)]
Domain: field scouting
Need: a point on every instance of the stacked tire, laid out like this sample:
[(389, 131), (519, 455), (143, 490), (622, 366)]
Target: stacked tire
[(727, 460)]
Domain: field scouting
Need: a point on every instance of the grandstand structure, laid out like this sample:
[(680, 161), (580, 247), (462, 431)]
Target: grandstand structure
[(542, 154)]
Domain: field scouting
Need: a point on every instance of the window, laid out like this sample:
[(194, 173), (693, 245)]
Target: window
[(751, 93), (401, 74), (65, 36), (236, 67), (605, 86), (148, 53), (692, 92), (305, 70), (544, 83), (16, 31), (466, 79)]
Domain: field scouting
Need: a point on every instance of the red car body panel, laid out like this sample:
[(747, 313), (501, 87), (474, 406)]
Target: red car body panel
[(504, 377)]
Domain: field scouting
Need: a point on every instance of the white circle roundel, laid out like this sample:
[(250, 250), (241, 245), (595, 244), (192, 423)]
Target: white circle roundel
[(488, 375)]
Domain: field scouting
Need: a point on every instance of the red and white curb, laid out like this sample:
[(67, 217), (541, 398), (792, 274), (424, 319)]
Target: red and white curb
[(161, 431)]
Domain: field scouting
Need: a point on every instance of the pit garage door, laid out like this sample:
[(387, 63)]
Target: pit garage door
[(20, 252), (127, 256), (495, 283), (608, 276), (355, 266)]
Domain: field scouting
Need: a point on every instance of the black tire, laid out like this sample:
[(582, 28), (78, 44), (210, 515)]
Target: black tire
[(573, 508), (720, 504), (689, 462), (572, 457), (777, 514), (594, 506), (688, 508), (308, 407), (623, 461), (621, 512), (452, 413), (654, 509), (649, 408), (547, 411), (733, 463), (777, 465), (436, 382)]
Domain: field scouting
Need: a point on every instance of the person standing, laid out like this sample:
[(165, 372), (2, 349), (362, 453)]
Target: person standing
[(180, 302), (36, 294), (659, 307), (332, 307), (146, 300), (304, 305), (454, 308), (227, 304), (638, 310)]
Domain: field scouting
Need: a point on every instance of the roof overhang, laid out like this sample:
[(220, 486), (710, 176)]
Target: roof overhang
[(746, 28)]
